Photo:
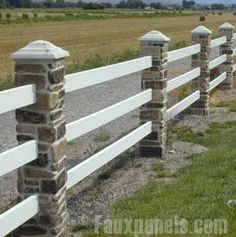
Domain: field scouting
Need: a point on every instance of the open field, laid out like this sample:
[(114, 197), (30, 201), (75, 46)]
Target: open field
[(106, 13), (86, 39)]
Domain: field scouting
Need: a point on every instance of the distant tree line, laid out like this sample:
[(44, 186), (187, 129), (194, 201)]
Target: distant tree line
[(139, 4), (188, 4), (218, 6), (52, 4), (130, 4)]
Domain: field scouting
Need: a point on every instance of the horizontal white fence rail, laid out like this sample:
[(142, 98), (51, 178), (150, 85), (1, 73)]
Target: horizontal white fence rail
[(183, 53), (18, 156), (95, 120), (234, 52), (18, 215), (216, 62), (234, 68), (217, 81), (234, 36), (219, 41), (101, 158), (17, 97), (183, 79), (95, 76), (182, 105)]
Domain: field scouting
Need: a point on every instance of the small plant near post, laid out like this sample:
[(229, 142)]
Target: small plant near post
[(201, 35), (155, 44), (227, 48), (41, 63)]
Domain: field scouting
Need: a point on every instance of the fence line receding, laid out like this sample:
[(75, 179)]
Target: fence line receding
[(43, 134)]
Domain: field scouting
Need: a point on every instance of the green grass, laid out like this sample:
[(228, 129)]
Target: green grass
[(99, 61), (79, 14), (216, 135), (178, 45), (7, 84), (200, 190), (228, 104), (103, 136), (161, 172), (81, 227)]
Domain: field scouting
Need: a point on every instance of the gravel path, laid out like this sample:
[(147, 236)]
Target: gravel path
[(77, 105)]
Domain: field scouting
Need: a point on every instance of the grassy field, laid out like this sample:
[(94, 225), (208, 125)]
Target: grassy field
[(96, 38), (106, 13), (200, 190)]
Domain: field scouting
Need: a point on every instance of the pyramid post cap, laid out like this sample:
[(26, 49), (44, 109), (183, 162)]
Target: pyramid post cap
[(201, 30), (154, 36), (226, 26), (40, 50)]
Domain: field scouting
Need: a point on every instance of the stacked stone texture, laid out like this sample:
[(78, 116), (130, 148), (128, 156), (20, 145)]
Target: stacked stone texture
[(202, 36), (43, 121), (155, 44), (227, 48)]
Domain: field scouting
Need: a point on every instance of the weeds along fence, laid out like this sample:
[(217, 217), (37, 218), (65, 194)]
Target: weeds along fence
[(43, 134)]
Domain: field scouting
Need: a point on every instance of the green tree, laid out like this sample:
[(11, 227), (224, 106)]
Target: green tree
[(60, 3), (122, 4), (218, 6), (48, 3), (156, 5), (27, 3), (14, 3), (136, 4), (188, 4), (3, 4)]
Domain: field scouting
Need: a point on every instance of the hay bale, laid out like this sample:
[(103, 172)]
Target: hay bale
[(220, 13), (69, 14), (202, 18), (25, 16)]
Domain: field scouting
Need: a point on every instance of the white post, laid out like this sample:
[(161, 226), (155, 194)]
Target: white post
[(227, 48)]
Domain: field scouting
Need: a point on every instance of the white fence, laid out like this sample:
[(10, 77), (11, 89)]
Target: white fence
[(9, 160), (25, 95)]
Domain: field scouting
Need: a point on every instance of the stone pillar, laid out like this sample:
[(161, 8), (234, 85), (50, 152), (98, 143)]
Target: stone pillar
[(227, 48), (201, 35), (155, 44), (41, 63)]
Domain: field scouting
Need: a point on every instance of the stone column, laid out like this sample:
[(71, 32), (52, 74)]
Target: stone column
[(41, 63), (227, 48), (155, 44), (201, 35)]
